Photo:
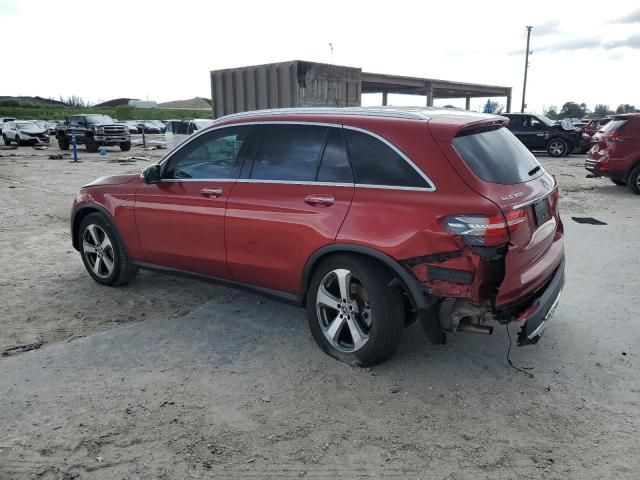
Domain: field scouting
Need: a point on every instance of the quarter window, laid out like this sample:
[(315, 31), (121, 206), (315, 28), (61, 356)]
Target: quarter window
[(288, 152), (214, 155), (376, 163)]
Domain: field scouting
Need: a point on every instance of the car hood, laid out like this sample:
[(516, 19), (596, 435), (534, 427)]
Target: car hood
[(32, 129), (115, 179)]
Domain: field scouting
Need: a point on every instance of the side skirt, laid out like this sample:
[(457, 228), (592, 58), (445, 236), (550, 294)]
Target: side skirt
[(284, 297)]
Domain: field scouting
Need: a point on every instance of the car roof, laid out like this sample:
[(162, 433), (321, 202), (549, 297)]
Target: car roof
[(621, 116), (408, 113)]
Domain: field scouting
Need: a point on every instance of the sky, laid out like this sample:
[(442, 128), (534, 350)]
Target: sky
[(584, 51)]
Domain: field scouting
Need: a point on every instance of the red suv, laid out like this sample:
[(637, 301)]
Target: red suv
[(615, 153), (368, 218)]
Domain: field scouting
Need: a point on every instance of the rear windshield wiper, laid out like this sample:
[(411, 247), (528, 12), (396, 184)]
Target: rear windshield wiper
[(534, 170)]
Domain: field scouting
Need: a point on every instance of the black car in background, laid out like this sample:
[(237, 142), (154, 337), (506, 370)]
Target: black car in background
[(538, 132)]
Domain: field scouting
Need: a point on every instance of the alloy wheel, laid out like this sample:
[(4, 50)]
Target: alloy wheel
[(97, 249), (344, 311), (556, 148)]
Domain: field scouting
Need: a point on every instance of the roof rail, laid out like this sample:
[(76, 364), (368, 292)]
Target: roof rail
[(409, 113)]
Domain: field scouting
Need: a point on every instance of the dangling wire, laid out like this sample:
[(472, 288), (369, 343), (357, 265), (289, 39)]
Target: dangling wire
[(519, 369)]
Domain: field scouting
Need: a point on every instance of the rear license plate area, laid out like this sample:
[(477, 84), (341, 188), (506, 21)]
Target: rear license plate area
[(541, 211)]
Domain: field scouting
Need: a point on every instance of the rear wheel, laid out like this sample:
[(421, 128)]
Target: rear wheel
[(557, 147), (619, 183), (103, 252), (633, 183), (353, 314), (17, 140)]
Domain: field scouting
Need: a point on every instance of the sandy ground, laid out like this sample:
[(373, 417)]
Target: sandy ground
[(191, 380)]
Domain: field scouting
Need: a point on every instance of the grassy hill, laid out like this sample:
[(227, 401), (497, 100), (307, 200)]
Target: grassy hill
[(42, 111)]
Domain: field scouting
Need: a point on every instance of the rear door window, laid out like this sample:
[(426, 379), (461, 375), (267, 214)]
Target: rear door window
[(497, 156), (376, 163), (288, 152), (334, 166)]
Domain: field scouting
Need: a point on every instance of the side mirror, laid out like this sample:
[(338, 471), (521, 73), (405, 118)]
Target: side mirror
[(151, 174)]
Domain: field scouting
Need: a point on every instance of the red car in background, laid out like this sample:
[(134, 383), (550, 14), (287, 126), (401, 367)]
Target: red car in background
[(615, 153), (367, 218)]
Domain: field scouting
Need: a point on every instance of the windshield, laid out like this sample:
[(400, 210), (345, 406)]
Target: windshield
[(25, 124), (99, 119), (497, 156), (546, 120)]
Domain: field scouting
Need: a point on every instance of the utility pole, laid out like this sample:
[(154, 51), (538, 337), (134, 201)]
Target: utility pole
[(526, 67)]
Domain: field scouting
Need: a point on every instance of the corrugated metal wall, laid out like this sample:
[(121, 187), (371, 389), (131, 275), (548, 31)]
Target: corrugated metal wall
[(286, 84)]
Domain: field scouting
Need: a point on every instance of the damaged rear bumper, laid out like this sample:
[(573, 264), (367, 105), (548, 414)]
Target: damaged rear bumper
[(537, 316)]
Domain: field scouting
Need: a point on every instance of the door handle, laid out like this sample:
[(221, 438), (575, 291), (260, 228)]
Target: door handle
[(319, 200), (211, 192)]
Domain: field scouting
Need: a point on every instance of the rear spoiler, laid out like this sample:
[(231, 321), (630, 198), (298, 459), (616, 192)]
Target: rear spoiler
[(447, 128)]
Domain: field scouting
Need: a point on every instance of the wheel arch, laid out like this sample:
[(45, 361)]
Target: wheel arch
[(634, 164), (410, 284), (80, 212)]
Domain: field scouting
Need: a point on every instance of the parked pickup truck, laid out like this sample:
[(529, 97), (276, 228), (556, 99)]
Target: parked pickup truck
[(94, 131)]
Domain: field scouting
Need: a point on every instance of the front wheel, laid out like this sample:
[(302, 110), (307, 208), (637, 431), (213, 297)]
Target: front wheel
[(557, 147), (634, 181), (91, 145), (125, 146), (103, 252), (63, 144), (6, 140), (17, 140), (353, 314)]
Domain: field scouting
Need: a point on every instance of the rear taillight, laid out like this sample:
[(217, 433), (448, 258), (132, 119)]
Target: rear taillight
[(485, 230), (614, 137)]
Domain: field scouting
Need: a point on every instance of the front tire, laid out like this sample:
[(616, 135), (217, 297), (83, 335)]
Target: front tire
[(557, 147), (125, 146), (103, 252), (63, 144), (353, 314), (91, 145), (6, 140), (633, 184), (17, 140)]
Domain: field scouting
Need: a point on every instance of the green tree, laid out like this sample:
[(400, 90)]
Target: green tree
[(551, 112), (626, 108), (573, 110), (601, 110)]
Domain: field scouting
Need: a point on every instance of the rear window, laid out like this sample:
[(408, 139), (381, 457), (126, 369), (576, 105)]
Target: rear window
[(497, 156), (614, 126)]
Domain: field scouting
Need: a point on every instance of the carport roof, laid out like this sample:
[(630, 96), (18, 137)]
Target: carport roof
[(378, 82)]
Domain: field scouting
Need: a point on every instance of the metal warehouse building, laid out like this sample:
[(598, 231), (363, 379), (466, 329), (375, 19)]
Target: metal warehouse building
[(309, 84)]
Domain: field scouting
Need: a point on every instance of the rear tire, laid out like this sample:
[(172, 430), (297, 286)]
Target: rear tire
[(17, 140), (103, 252), (633, 184), (125, 146), (620, 183), (557, 147), (353, 313)]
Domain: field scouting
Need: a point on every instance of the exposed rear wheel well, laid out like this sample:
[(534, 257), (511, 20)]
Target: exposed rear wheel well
[(400, 276)]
